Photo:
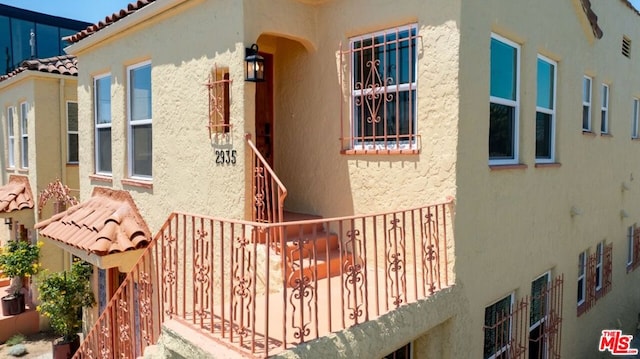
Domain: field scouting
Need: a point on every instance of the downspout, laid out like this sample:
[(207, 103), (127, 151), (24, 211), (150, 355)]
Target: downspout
[(66, 257)]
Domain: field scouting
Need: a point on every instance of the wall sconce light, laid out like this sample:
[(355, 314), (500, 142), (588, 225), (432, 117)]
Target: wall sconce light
[(8, 221), (575, 211), (254, 64), (623, 214)]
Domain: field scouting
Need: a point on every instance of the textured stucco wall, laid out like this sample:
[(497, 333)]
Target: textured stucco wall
[(513, 225)]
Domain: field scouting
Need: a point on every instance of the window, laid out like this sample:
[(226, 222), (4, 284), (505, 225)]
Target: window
[(599, 258), (72, 132), (24, 134), (11, 139), (102, 111), (538, 316), (604, 111), (384, 89), (402, 353), (630, 246), (139, 114), (582, 270), (634, 118), (586, 104), (545, 110), (594, 276), (504, 101), (497, 328)]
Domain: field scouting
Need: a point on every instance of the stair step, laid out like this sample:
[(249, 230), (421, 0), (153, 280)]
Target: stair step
[(299, 229), (322, 266), (320, 241)]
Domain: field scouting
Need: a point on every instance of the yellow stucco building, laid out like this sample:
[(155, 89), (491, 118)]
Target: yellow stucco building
[(467, 172)]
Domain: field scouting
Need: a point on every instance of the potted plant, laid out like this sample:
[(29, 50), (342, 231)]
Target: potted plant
[(62, 297), (18, 260)]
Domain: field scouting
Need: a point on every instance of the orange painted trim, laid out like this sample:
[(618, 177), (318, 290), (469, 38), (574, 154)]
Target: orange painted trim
[(519, 166), (381, 152), (588, 133), (548, 165), (101, 178), (137, 183)]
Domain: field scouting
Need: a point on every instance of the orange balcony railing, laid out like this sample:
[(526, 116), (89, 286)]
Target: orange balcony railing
[(228, 279), (266, 188)]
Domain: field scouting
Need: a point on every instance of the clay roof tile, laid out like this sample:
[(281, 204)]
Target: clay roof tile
[(16, 194)]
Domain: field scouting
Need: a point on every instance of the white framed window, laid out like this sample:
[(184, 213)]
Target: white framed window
[(586, 103), (384, 89), (139, 142), (405, 352), (546, 110), (11, 138), (538, 316), (72, 132), (497, 328), (582, 275), (599, 260), (504, 102), (24, 135), (604, 110), (630, 232), (634, 118), (102, 113)]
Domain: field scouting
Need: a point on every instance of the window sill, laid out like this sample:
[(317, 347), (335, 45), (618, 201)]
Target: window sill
[(408, 151), (101, 178), (137, 183), (605, 135), (588, 133), (72, 164), (11, 169), (518, 166), (635, 139), (548, 165), (22, 170)]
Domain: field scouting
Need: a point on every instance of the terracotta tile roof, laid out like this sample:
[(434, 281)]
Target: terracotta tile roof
[(109, 222), (64, 65), (16, 194), (628, 3), (131, 8), (592, 17)]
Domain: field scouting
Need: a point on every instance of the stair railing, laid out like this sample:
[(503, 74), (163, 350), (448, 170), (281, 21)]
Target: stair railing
[(266, 188)]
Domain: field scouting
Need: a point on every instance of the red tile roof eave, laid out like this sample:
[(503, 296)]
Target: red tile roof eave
[(66, 65), (113, 18)]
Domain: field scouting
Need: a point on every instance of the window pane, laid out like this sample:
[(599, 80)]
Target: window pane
[(545, 84), (142, 150), (586, 90), (503, 70), (140, 93), (398, 112), (73, 147), (25, 152), (104, 150), (538, 302), (72, 116), (603, 121), (605, 96), (47, 41), (497, 323), (103, 100), (543, 135), (634, 119), (24, 126), (580, 290), (586, 114), (21, 33), (501, 131)]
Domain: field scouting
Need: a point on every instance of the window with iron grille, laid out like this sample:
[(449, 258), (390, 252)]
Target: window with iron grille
[(497, 328), (633, 248), (219, 110), (594, 276), (383, 90)]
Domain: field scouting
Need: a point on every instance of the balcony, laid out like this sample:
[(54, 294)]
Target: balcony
[(261, 288)]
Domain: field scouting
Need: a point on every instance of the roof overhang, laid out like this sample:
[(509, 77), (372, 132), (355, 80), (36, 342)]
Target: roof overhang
[(124, 261)]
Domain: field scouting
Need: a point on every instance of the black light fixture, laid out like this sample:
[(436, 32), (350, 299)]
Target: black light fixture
[(254, 65), (8, 221)]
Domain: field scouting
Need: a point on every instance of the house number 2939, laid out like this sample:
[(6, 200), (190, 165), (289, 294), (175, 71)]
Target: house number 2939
[(225, 157)]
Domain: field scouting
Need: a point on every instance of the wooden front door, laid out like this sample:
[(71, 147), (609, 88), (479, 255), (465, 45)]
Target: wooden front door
[(264, 111)]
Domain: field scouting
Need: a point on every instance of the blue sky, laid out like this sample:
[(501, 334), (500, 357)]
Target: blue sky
[(92, 10), (85, 10)]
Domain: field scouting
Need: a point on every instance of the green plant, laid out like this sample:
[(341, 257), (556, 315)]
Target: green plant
[(16, 339), (63, 295), (20, 259)]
